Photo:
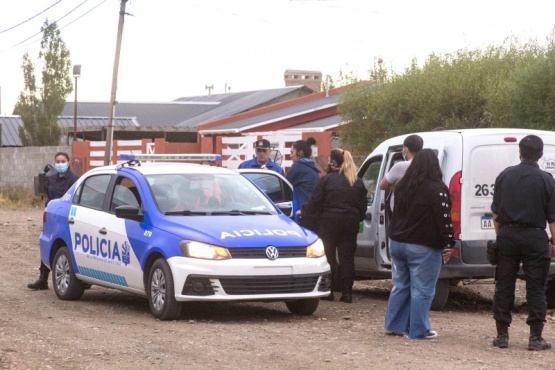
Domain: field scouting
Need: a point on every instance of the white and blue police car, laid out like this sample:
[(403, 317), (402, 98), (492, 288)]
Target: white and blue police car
[(178, 232)]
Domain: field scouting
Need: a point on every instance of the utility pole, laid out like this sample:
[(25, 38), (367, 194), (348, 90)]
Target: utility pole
[(209, 88), (109, 127)]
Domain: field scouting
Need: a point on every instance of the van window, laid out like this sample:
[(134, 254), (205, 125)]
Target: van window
[(370, 178)]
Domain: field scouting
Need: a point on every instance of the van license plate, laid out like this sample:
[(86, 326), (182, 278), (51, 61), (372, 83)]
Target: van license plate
[(487, 222)]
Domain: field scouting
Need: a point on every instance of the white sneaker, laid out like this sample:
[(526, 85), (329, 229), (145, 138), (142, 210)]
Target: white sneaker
[(431, 335)]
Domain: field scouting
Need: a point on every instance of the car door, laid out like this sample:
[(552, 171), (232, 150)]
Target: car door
[(275, 186), (87, 225), (367, 256)]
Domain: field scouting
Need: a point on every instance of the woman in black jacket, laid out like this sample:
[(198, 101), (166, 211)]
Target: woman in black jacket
[(420, 232), (58, 184), (339, 199)]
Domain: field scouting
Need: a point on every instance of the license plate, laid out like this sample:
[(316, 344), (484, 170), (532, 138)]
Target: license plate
[(487, 222)]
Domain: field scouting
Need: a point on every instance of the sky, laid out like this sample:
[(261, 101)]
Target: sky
[(176, 48)]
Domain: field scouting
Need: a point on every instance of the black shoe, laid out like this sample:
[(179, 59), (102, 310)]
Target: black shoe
[(538, 344), (40, 284), (501, 341), (328, 298), (346, 298)]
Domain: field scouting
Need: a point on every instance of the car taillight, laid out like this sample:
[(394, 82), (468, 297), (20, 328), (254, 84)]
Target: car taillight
[(455, 193), (44, 216)]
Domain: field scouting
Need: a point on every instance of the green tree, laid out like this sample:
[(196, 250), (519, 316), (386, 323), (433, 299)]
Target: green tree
[(496, 87), (40, 106)]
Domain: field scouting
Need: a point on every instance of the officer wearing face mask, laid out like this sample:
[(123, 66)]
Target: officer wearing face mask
[(58, 183)]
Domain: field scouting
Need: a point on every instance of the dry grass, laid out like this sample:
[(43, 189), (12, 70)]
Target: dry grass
[(19, 197)]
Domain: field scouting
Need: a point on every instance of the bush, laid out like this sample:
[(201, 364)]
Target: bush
[(19, 197)]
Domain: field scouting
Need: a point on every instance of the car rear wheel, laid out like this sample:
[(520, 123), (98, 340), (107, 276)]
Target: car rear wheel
[(161, 292), (441, 296), (303, 306), (66, 285)]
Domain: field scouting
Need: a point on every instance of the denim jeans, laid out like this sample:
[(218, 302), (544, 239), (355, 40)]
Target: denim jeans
[(415, 272)]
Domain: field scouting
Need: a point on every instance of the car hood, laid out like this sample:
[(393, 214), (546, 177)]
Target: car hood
[(240, 231)]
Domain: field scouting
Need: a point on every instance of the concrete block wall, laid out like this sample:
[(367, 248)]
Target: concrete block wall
[(18, 166)]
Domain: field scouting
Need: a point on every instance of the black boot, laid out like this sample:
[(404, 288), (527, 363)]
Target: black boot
[(42, 282), (502, 339), (536, 342), (347, 292)]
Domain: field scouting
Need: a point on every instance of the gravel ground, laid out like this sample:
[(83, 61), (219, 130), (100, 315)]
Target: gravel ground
[(108, 329)]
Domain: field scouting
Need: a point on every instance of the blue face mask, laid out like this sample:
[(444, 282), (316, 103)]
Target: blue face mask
[(61, 167)]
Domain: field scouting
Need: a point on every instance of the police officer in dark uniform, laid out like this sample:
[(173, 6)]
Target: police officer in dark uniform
[(523, 201), (58, 184)]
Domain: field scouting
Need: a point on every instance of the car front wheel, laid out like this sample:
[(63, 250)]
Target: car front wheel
[(66, 285), (303, 306), (161, 292)]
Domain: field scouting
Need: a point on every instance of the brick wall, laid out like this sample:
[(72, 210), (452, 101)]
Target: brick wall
[(18, 166)]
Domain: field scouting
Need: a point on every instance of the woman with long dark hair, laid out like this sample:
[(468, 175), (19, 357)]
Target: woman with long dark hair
[(303, 175), (421, 232), (340, 200)]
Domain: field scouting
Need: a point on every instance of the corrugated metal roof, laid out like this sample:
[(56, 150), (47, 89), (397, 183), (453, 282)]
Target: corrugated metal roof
[(242, 102), (10, 130), (11, 124), (147, 114), (318, 124), (181, 111), (274, 115)]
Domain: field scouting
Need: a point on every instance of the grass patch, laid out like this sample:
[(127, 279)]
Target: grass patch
[(13, 196)]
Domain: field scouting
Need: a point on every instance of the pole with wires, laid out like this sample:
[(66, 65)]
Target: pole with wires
[(109, 127)]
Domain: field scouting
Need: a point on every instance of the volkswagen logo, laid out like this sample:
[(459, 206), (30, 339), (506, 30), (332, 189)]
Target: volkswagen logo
[(272, 252)]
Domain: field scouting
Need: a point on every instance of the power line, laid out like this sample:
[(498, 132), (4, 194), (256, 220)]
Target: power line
[(27, 20), (65, 15)]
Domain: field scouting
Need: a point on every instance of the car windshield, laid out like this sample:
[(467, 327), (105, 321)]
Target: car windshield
[(207, 194)]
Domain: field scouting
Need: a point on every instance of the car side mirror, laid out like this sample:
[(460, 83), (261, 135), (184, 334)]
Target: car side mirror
[(129, 213), (286, 208)]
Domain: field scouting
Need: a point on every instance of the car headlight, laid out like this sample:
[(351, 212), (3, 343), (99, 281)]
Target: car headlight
[(204, 251), (316, 250)]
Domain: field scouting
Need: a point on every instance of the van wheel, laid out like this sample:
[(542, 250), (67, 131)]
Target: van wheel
[(161, 293), (454, 282), (441, 296), (550, 294), (303, 306)]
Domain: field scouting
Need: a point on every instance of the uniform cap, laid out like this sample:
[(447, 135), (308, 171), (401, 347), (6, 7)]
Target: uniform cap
[(265, 144)]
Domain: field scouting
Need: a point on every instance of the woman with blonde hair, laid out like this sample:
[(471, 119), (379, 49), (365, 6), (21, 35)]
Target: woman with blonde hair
[(340, 200)]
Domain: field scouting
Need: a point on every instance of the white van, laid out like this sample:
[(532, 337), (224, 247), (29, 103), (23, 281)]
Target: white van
[(470, 160)]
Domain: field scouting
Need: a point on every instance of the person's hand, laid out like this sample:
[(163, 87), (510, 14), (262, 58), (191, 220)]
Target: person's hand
[(447, 252), (298, 213)]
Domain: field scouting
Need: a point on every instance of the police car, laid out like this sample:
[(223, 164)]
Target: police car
[(177, 232)]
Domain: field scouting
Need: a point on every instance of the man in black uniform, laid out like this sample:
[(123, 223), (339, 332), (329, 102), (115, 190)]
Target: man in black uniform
[(523, 201)]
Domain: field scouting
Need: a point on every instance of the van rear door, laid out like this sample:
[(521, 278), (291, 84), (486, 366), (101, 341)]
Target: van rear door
[(486, 155)]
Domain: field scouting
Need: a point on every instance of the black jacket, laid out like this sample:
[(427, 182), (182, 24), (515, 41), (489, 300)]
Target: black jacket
[(57, 186), (428, 219), (333, 196)]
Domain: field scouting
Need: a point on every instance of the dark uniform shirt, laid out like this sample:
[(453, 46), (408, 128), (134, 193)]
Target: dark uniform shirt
[(253, 163), (524, 195), (58, 185)]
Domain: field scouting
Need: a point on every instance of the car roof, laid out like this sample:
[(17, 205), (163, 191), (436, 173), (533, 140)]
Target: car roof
[(155, 168)]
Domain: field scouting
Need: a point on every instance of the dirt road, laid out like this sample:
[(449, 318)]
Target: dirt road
[(108, 329)]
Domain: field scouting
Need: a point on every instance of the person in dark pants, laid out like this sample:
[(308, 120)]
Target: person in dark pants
[(303, 175), (340, 200), (58, 184), (523, 201)]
